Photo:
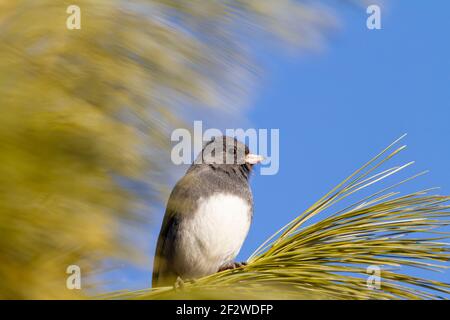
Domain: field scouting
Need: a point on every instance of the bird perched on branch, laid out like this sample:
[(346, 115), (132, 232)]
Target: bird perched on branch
[(208, 214)]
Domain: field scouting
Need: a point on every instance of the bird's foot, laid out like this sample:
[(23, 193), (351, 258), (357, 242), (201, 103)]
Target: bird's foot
[(179, 284), (232, 266)]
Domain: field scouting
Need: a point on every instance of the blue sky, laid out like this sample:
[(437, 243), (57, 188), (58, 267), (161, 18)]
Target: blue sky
[(337, 109)]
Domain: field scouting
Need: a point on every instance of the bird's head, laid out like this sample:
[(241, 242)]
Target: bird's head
[(227, 152)]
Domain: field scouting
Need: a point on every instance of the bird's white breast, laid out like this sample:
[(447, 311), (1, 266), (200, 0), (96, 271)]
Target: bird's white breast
[(214, 234)]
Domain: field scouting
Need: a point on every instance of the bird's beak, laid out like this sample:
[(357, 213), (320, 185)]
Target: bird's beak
[(253, 158)]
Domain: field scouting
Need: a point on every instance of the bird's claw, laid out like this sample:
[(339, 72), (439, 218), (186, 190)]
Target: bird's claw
[(180, 283), (232, 266)]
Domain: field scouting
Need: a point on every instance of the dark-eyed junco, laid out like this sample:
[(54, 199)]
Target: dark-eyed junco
[(208, 214)]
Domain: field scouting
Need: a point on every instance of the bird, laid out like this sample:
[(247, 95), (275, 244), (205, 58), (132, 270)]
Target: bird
[(208, 214)]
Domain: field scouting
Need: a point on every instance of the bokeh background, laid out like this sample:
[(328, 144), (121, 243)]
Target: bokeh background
[(87, 116)]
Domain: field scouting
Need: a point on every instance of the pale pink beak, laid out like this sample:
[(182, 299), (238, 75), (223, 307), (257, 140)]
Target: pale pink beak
[(253, 158)]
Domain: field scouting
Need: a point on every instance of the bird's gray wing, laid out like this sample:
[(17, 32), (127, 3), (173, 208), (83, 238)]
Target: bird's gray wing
[(181, 203), (162, 272)]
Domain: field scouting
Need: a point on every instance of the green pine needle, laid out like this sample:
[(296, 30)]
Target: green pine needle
[(328, 259)]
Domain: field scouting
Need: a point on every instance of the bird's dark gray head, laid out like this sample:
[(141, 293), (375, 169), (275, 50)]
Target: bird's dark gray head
[(229, 155)]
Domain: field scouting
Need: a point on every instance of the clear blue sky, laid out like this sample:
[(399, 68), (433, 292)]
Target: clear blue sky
[(338, 108)]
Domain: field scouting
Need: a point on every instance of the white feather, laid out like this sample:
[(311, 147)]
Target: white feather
[(213, 235)]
